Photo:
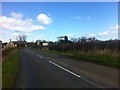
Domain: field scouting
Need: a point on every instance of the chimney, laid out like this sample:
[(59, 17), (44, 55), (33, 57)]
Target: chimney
[(10, 40)]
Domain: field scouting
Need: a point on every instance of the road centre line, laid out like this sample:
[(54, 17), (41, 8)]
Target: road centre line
[(36, 55), (75, 74), (39, 56), (69, 71), (65, 69)]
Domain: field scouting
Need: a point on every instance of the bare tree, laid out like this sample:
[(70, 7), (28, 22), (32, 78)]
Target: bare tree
[(22, 37), (74, 39)]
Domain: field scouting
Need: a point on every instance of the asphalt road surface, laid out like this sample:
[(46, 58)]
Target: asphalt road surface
[(44, 70)]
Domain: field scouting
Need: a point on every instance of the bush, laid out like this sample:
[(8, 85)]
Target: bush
[(94, 47), (7, 51)]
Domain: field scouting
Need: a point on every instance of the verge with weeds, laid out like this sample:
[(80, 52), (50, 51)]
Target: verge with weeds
[(10, 69)]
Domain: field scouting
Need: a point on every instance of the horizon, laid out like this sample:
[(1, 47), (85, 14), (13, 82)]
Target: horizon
[(48, 20)]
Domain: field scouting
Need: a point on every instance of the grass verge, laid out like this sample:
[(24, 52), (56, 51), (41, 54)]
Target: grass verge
[(10, 69), (106, 60)]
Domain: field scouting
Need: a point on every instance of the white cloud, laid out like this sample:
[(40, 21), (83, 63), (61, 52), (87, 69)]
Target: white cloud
[(2, 32), (44, 19), (92, 34), (16, 15), (38, 37), (116, 27), (15, 34), (113, 30), (70, 36), (103, 34), (15, 24), (28, 34)]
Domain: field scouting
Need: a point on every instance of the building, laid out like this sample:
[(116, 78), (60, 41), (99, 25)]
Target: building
[(14, 44), (19, 43)]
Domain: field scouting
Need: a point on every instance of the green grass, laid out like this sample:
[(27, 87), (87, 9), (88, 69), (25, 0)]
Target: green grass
[(10, 69), (106, 60)]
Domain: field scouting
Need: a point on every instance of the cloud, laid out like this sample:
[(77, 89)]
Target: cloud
[(15, 23), (16, 34), (38, 37), (114, 27), (103, 34), (28, 34), (111, 31), (2, 32), (92, 35), (44, 19), (16, 15), (70, 36)]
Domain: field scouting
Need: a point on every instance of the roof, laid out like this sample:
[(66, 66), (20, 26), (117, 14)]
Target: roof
[(20, 42)]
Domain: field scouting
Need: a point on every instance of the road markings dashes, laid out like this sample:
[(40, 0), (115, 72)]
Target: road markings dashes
[(65, 69), (36, 55), (68, 71), (39, 56), (74, 74)]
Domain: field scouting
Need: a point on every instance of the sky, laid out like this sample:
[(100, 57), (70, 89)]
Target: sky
[(49, 20)]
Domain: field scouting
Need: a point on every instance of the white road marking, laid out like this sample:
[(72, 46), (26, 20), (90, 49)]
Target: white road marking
[(74, 74), (68, 71), (36, 55), (39, 56), (65, 69)]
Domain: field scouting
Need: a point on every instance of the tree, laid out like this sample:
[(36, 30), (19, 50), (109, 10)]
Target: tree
[(60, 38), (66, 39), (63, 39), (82, 39), (74, 39), (22, 37)]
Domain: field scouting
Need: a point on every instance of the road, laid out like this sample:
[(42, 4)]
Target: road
[(44, 70)]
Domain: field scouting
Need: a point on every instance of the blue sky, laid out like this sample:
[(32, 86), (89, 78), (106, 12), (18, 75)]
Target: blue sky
[(48, 20)]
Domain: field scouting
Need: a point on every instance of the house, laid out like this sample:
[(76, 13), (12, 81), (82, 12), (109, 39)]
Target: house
[(10, 45), (45, 44), (14, 44), (19, 43)]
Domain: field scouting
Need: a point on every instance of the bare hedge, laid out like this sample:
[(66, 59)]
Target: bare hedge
[(7, 51), (100, 47)]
